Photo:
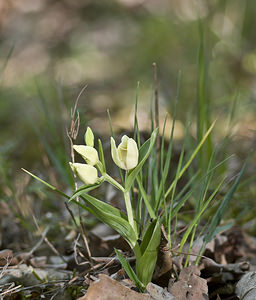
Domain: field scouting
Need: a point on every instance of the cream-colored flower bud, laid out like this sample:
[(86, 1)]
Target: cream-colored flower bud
[(126, 155), (89, 154), (87, 173), (89, 137)]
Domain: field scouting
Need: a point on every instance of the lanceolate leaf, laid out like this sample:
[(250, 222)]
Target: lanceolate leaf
[(128, 269), (111, 216), (46, 183), (145, 264), (85, 188), (144, 152), (102, 159)]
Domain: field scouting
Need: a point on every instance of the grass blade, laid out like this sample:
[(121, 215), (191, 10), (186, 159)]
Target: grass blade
[(198, 215), (191, 158), (223, 207), (145, 198)]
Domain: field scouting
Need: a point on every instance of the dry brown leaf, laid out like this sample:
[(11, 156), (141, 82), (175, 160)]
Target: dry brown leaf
[(190, 286), (238, 245), (164, 260), (108, 289), (6, 258), (158, 293), (38, 261), (104, 246)]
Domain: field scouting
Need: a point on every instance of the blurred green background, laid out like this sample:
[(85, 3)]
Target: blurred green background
[(50, 49)]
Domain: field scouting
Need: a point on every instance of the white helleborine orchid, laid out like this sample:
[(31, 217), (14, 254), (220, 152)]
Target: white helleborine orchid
[(87, 173), (126, 155), (89, 154)]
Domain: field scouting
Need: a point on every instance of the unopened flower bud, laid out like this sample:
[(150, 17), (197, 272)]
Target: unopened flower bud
[(89, 137), (126, 155), (89, 154), (87, 173)]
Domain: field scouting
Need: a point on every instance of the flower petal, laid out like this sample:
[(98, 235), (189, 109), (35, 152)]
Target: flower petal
[(132, 154), (115, 155)]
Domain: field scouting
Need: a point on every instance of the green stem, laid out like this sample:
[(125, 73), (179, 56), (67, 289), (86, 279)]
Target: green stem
[(136, 250), (127, 199), (129, 211), (113, 182)]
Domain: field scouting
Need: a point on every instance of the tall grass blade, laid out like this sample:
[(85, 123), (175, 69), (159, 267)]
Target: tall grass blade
[(165, 172), (198, 215), (136, 132), (145, 198), (191, 158), (203, 111), (223, 207)]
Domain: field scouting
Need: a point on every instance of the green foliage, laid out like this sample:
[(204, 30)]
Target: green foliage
[(159, 200), (145, 263), (130, 272), (111, 216), (153, 190)]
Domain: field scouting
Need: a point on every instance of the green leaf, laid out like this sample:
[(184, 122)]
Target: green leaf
[(85, 188), (223, 207), (145, 263), (165, 165), (136, 132), (145, 198), (191, 158), (46, 183), (129, 271), (198, 215), (111, 216), (102, 159), (144, 152)]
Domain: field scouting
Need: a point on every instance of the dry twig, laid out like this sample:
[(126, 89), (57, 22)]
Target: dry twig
[(44, 238), (72, 135)]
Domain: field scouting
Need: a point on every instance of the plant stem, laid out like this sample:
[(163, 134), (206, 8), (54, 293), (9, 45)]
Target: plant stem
[(129, 211), (113, 182), (127, 199)]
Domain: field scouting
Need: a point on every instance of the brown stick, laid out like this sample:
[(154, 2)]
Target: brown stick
[(72, 135)]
